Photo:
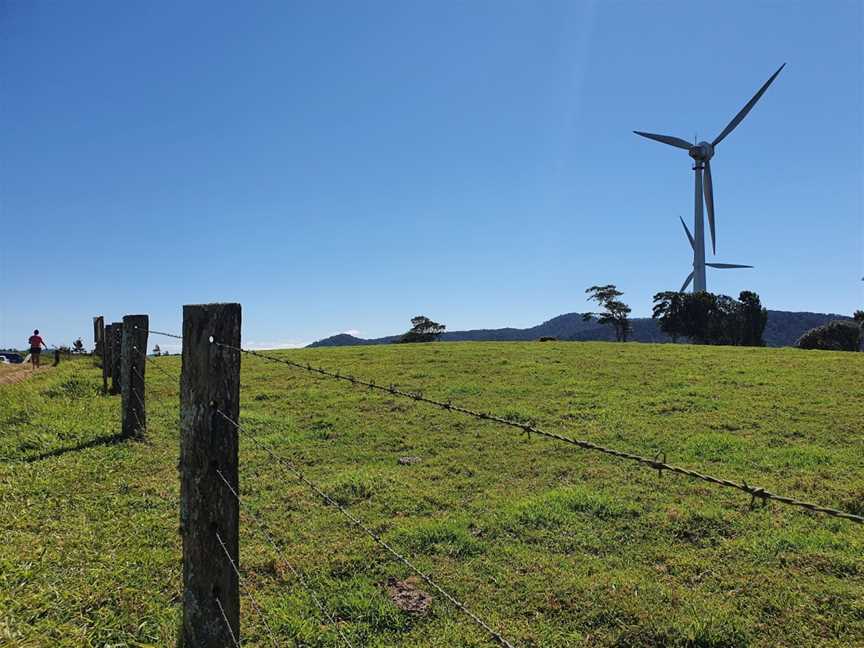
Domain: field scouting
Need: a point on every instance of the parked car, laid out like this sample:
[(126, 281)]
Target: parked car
[(11, 357)]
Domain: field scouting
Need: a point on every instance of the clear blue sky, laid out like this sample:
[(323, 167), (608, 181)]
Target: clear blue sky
[(346, 165)]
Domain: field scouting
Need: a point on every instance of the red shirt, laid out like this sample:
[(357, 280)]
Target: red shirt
[(36, 342)]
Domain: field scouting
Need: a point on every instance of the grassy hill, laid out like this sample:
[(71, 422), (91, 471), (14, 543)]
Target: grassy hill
[(783, 329), (552, 545)]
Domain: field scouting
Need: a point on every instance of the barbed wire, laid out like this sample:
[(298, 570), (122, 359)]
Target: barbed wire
[(225, 619), (154, 332), (162, 370), (140, 402), (139, 374), (755, 492), (297, 574), (292, 468), (154, 364), (246, 590)]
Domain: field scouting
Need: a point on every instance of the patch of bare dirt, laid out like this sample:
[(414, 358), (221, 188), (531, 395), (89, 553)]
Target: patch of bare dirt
[(407, 596), (13, 373)]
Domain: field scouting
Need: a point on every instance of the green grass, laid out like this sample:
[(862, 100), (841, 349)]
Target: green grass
[(554, 546)]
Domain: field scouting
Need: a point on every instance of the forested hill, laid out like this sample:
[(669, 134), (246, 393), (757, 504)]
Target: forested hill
[(783, 329)]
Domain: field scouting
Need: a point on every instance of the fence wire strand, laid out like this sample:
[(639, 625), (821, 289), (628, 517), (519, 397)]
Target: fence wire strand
[(163, 370), (153, 332), (246, 590), (292, 468), (297, 574), (227, 624), (755, 492), (141, 427)]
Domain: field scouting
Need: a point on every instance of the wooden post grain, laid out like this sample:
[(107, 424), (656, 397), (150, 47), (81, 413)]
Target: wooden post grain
[(209, 384), (133, 363), (116, 357)]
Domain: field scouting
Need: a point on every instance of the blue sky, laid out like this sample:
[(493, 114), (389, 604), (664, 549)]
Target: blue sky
[(345, 166)]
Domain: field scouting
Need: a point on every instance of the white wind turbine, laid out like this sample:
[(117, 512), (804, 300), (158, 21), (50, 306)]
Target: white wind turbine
[(704, 192)]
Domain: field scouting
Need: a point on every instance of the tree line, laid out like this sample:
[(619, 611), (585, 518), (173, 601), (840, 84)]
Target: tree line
[(700, 318)]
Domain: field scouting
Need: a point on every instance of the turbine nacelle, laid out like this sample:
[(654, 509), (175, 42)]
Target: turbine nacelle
[(701, 152)]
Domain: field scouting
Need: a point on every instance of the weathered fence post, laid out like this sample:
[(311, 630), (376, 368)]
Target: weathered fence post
[(210, 384), (98, 324), (99, 335), (108, 361), (133, 362), (116, 351)]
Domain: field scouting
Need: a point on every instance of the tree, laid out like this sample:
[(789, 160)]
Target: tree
[(157, 351), (838, 335), (423, 329), (615, 312), (669, 311), (702, 318), (753, 318), (858, 316), (78, 346), (706, 318)]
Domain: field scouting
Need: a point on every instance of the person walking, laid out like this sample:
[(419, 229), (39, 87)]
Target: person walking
[(36, 344)]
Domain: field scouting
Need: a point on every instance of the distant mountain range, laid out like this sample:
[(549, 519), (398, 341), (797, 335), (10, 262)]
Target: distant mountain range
[(783, 329)]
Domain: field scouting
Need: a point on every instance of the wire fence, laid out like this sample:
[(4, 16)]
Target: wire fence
[(152, 362), (292, 469), (225, 619), (304, 583), (657, 462), (246, 590)]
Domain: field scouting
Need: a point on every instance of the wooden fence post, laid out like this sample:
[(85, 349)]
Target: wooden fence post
[(133, 363), (98, 323), (116, 351), (107, 361), (99, 334), (210, 383)]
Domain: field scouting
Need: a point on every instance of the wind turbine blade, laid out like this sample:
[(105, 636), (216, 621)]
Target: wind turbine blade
[(746, 109), (667, 139), (725, 266), (686, 282), (709, 203), (689, 235)]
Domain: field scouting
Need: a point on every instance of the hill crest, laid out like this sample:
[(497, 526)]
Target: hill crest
[(783, 329)]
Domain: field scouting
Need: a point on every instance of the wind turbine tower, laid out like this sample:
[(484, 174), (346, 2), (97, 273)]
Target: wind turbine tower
[(704, 190)]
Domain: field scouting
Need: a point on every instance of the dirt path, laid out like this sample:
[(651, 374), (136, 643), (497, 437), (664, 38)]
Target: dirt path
[(13, 373)]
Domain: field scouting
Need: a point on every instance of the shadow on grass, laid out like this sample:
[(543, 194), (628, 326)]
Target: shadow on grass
[(92, 443)]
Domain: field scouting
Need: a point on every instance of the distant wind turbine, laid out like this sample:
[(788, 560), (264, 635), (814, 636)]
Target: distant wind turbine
[(702, 154)]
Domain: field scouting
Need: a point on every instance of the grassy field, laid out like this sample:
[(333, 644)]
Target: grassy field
[(554, 546)]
